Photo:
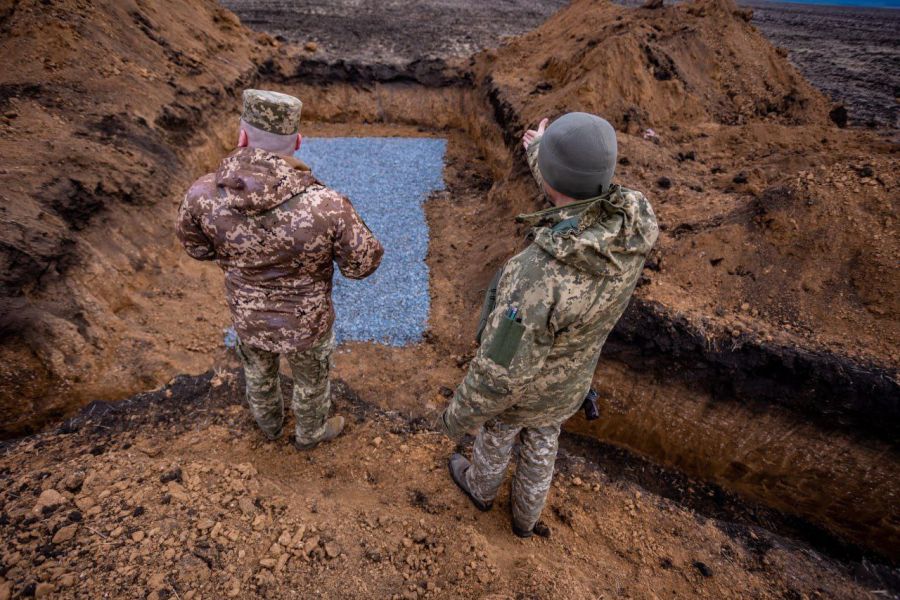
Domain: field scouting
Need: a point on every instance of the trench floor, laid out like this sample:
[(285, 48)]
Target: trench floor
[(388, 179)]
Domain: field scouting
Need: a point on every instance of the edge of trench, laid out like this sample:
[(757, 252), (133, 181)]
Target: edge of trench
[(755, 525)]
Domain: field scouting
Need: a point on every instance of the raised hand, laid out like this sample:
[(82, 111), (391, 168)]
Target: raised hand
[(532, 135)]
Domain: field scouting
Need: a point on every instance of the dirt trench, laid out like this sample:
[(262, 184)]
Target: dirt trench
[(723, 430), (805, 432), (743, 419)]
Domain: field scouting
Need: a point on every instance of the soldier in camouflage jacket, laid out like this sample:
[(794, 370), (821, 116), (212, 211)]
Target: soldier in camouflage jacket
[(556, 302), (276, 232)]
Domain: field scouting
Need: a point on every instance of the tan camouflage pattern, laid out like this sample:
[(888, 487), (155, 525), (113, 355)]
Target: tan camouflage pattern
[(571, 286), (272, 111), (311, 399), (276, 232), (534, 467)]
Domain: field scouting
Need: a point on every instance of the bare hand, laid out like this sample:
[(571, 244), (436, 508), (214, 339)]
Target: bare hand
[(532, 135)]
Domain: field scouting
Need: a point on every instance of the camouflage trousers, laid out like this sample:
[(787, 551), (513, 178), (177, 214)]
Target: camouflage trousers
[(311, 398), (534, 468)]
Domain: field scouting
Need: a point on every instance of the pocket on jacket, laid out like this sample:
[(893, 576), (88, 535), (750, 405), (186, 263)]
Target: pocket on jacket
[(506, 342)]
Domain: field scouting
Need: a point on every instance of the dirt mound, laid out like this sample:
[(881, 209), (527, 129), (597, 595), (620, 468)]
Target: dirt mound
[(98, 101), (779, 228), (694, 63), (100, 508), (67, 67)]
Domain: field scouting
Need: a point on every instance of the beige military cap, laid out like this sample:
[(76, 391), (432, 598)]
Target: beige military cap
[(272, 111)]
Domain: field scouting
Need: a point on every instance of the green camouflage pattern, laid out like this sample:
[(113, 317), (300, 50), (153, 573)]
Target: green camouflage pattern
[(534, 467), (276, 232), (570, 286), (272, 111), (531, 155), (311, 399)]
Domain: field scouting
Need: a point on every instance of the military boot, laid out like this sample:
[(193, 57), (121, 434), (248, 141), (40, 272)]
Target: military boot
[(333, 428), (540, 529), (459, 464), (273, 436)]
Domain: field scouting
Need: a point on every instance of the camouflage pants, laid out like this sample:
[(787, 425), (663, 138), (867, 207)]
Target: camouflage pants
[(534, 469), (311, 399)]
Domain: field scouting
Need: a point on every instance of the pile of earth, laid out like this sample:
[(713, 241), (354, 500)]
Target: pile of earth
[(106, 111), (776, 223), (175, 494)]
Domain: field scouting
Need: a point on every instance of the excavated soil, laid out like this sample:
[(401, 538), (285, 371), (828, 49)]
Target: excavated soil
[(99, 508), (759, 352), (106, 112)]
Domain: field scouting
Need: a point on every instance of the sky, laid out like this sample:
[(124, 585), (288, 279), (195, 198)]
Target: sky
[(867, 3)]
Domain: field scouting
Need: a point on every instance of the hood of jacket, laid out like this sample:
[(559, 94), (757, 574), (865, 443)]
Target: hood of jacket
[(597, 235), (253, 181)]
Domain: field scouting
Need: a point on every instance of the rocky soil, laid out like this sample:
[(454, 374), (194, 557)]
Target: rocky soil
[(174, 494), (760, 351)]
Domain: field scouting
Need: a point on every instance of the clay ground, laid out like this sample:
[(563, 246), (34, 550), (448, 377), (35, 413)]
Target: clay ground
[(775, 267), (201, 507)]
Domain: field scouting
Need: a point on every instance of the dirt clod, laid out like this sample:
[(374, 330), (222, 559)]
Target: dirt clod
[(65, 534), (48, 500), (171, 475), (702, 568)]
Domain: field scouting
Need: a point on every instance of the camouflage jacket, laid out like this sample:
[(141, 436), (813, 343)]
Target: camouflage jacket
[(275, 231), (568, 287)]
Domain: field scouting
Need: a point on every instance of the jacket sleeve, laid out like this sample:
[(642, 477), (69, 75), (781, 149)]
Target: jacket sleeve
[(531, 155), (356, 250), (503, 366), (191, 236)]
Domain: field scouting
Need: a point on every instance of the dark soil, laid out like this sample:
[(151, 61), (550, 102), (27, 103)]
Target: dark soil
[(850, 53), (395, 31)]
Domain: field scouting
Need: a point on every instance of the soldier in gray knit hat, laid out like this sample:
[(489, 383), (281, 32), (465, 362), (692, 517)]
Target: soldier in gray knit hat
[(547, 316), (578, 154)]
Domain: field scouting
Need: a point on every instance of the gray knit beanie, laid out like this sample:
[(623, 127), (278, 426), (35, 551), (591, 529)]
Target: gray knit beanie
[(577, 155)]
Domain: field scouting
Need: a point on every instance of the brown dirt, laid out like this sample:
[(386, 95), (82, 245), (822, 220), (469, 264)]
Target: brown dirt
[(767, 203), (106, 304), (103, 107), (99, 508)]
